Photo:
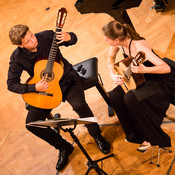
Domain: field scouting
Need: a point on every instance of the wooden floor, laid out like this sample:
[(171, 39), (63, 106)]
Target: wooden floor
[(22, 153)]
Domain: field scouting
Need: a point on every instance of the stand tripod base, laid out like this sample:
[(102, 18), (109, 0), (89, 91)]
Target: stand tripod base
[(91, 164), (94, 165)]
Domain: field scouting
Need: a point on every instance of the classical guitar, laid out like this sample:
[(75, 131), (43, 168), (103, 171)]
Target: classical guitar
[(123, 68), (51, 69)]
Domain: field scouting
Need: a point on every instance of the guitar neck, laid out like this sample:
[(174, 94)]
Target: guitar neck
[(52, 53), (62, 13)]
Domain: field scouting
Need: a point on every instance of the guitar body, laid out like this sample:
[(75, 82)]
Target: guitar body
[(135, 79), (53, 96)]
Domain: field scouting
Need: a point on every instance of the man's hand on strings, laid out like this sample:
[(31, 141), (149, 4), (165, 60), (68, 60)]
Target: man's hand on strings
[(62, 36), (42, 85)]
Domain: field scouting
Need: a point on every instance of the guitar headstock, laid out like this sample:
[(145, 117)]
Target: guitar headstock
[(139, 58), (61, 17)]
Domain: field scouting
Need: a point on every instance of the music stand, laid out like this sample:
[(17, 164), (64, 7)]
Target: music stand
[(65, 122)]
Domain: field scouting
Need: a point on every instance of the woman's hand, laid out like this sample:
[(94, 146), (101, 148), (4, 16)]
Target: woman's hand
[(42, 85), (118, 79), (62, 36), (138, 69)]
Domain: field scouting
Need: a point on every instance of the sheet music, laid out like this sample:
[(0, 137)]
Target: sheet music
[(63, 122)]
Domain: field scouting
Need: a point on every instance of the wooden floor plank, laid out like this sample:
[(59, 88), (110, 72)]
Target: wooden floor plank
[(23, 153)]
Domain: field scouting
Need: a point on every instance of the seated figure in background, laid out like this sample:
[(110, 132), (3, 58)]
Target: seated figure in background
[(140, 111)]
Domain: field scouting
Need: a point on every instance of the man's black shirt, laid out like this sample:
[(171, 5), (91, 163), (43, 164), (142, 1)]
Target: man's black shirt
[(23, 60)]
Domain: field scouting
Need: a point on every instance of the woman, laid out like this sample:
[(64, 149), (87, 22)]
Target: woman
[(140, 111)]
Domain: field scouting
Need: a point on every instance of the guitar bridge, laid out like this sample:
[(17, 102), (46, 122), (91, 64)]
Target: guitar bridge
[(45, 93)]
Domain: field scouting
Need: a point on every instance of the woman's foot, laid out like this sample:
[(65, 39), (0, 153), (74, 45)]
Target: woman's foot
[(144, 147)]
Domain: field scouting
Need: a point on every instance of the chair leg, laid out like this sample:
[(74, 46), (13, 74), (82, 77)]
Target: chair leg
[(158, 155), (103, 92), (105, 96)]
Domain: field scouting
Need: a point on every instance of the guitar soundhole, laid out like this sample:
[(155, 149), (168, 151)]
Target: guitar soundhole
[(47, 76)]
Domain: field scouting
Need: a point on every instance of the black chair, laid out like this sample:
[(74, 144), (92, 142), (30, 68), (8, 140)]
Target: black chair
[(88, 71)]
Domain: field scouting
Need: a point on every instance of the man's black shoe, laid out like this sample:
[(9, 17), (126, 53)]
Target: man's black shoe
[(63, 157), (103, 145)]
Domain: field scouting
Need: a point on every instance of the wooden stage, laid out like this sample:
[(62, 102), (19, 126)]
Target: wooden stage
[(22, 153)]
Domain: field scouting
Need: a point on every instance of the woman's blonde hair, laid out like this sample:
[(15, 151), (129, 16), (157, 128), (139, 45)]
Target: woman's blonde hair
[(116, 30)]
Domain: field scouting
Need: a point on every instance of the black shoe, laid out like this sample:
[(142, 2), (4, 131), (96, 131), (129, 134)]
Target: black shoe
[(103, 145), (63, 157)]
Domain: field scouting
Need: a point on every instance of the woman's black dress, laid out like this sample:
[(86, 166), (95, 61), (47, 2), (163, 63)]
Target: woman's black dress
[(141, 111)]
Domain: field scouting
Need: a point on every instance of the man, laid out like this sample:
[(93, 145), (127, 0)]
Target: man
[(30, 47)]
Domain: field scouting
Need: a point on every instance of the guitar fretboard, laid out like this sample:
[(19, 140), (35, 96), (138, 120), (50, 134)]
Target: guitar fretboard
[(52, 53)]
